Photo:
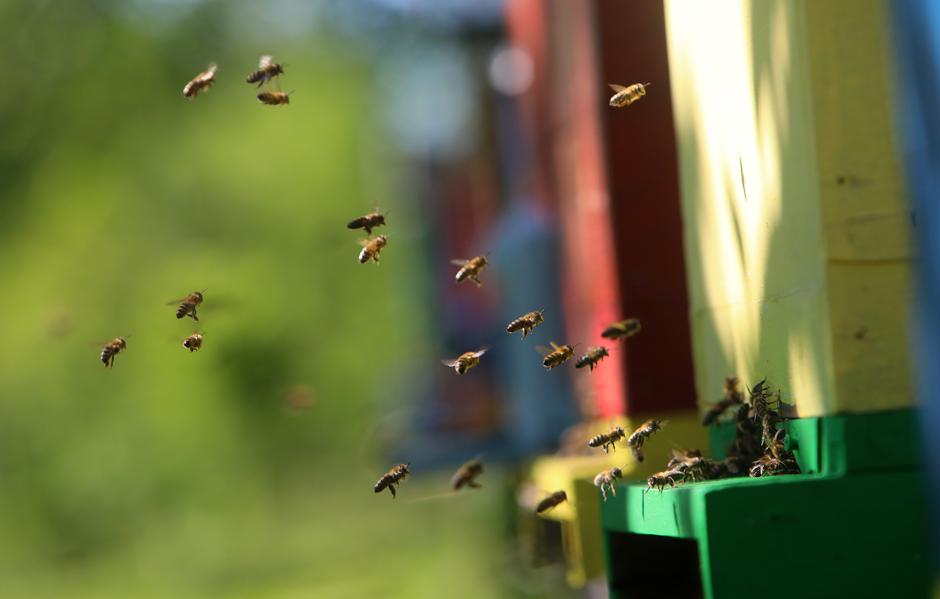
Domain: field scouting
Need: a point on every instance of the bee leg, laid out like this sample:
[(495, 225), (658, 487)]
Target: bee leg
[(391, 488), (474, 485), (477, 280)]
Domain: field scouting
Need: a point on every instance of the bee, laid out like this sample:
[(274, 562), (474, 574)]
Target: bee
[(746, 444), (367, 222), (661, 479), (624, 96), (623, 329), (553, 500), (605, 480), (465, 361), (111, 349), (732, 396), (188, 305), (680, 456), (193, 342), (526, 323), (392, 478), (470, 269), (608, 440), (274, 98), (557, 355), (201, 82), (592, 357), (371, 248), (776, 460), (466, 475), (267, 70), (764, 405), (640, 435)]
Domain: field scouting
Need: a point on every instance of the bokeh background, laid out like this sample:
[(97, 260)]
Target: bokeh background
[(245, 470)]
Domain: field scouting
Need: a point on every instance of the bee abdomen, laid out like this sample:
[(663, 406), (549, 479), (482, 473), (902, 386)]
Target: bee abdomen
[(597, 441)]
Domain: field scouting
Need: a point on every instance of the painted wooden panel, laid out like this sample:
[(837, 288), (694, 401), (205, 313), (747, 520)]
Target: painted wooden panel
[(784, 282)]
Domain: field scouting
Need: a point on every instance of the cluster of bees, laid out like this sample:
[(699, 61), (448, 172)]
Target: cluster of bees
[(267, 71), (758, 448)]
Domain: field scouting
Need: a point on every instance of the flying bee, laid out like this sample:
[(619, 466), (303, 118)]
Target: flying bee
[(605, 480), (391, 479), (371, 248), (557, 355), (470, 269), (465, 361), (466, 475), (661, 479), (267, 70), (111, 349), (193, 342), (553, 500), (526, 323), (640, 435), (624, 96), (608, 440), (367, 222), (188, 305), (623, 329), (592, 357), (732, 396), (201, 82), (274, 98)]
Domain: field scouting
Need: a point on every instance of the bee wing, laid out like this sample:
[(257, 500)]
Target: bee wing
[(364, 242), (543, 350), (176, 301), (554, 345), (480, 352), (457, 262), (265, 61), (211, 70), (449, 363), (616, 88)]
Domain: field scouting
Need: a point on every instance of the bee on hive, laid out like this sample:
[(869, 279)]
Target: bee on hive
[(732, 396)]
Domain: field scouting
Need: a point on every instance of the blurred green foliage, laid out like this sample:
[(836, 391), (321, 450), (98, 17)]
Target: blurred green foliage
[(186, 475)]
